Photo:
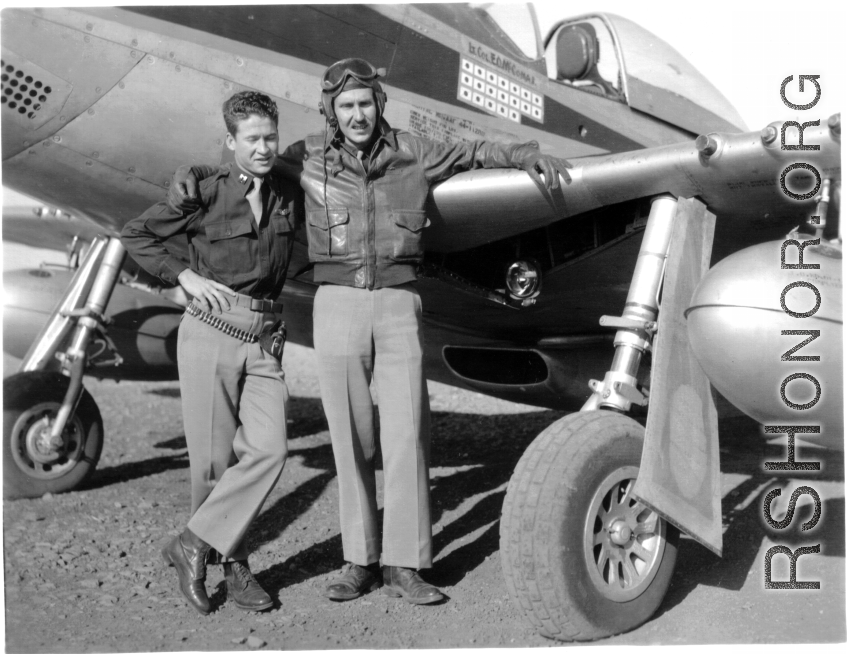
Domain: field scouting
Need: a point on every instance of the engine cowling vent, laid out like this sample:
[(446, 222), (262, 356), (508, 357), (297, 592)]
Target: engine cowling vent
[(22, 92)]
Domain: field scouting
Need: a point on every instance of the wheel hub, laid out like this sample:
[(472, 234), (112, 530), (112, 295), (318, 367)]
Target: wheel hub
[(620, 532), (623, 539), (41, 447), (39, 455)]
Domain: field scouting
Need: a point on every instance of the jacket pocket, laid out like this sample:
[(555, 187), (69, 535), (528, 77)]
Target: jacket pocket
[(328, 232), (408, 228), (230, 245)]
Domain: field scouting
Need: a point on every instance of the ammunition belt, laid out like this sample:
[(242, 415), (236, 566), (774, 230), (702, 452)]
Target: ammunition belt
[(221, 325)]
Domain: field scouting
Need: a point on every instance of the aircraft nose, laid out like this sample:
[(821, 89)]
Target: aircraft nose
[(32, 99), (45, 88), (21, 92)]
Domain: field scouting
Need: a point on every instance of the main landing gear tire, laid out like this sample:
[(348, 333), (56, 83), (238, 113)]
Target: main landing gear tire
[(581, 557), (32, 465)]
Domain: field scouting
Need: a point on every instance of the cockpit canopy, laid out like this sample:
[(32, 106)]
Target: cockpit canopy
[(602, 54), (659, 81)]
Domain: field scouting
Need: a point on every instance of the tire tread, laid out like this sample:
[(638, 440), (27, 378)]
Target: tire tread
[(527, 522)]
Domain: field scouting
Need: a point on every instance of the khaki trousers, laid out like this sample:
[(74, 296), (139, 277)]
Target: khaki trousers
[(360, 335), (234, 400)]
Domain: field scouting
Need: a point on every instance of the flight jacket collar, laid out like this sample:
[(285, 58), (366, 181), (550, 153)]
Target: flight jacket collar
[(333, 147)]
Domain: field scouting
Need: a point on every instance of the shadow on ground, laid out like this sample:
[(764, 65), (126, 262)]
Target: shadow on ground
[(475, 456), (744, 451)]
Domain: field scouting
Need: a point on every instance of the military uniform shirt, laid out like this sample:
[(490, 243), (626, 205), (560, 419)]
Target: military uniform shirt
[(224, 242)]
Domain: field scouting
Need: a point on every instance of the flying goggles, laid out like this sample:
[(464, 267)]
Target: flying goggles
[(337, 75)]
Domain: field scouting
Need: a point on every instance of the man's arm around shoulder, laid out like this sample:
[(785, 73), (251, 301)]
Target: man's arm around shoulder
[(182, 195)]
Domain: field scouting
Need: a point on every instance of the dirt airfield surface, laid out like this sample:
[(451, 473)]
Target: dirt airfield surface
[(83, 572)]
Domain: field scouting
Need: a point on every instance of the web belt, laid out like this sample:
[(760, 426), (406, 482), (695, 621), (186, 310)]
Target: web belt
[(225, 327)]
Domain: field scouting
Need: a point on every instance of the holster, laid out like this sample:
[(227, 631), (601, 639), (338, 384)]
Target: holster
[(272, 340)]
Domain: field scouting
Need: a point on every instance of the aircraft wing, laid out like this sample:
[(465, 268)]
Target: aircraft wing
[(51, 232), (735, 175), (101, 104)]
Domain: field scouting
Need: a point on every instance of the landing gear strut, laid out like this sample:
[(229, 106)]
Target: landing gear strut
[(52, 430), (582, 557)]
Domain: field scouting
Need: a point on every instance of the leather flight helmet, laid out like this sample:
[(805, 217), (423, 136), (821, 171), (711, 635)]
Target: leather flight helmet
[(337, 75)]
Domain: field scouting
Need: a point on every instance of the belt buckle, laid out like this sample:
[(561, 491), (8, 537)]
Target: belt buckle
[(265, 306)]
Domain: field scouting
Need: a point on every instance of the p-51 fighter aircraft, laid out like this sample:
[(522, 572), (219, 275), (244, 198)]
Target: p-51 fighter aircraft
[(594, 298)]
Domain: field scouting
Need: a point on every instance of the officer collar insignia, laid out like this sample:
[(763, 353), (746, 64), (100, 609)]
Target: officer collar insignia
[(243, 178)]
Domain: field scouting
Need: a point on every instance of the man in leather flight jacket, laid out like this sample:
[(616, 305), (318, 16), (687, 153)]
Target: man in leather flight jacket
[(365, 187)]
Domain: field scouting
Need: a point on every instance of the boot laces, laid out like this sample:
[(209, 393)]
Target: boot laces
[(243, 572)]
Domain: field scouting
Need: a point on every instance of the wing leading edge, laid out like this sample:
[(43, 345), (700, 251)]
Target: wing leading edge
[(735, 175)]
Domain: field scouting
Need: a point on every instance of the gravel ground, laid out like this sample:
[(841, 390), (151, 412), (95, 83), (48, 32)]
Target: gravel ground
[(83, 571)]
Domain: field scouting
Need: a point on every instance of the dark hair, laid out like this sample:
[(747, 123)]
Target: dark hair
[(246, 103)]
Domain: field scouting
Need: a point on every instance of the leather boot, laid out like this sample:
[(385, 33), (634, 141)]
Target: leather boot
[(243, 589), (355, 582), (405, 583), (187, 553)]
